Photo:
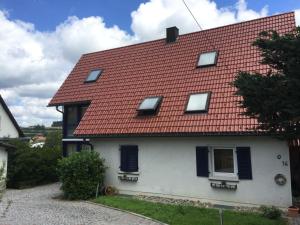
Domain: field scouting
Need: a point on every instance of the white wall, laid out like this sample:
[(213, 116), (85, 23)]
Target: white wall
[(3, 158), (167, 166), (7, 128)]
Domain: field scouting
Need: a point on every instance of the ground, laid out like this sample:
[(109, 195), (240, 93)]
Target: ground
[(37, 206)]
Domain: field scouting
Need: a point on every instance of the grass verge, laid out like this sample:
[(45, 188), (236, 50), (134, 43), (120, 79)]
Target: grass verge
[(184, 215)]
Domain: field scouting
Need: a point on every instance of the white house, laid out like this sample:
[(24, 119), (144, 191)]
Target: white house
[(166, 119), (9, 128)]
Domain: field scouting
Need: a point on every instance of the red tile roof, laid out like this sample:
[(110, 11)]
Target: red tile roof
[(158, 69)]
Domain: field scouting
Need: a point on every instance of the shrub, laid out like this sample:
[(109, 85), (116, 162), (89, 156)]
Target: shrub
[(270, 212), (81, 174), (31, 166)]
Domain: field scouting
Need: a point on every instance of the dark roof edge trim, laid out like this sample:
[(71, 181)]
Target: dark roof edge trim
[(69, 103), (6, 109), (175, 134)]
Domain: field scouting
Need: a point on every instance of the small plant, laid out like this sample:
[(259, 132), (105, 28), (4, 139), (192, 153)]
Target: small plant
[(81, 174), (270, 212), (2, 171), (2, 179)]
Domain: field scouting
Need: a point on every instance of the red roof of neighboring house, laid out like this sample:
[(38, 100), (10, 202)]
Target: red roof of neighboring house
[(155, 68)]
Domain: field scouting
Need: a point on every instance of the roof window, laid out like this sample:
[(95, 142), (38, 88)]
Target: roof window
[(93, 75), (149, 105), (198, 102), (207, 59)]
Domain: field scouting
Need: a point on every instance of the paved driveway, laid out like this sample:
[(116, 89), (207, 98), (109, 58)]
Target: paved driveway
[(36, 206)]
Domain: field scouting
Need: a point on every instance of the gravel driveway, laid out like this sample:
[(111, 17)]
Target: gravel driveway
[(36, 206)]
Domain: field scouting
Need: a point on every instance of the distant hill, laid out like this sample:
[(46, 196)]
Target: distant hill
[(56, 124), (39, 129)]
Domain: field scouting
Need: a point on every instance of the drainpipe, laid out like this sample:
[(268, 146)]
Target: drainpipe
[(57, 109), (88, 143), (63, 148)]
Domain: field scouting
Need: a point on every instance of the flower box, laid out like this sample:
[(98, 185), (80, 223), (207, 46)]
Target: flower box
[(293, 211)]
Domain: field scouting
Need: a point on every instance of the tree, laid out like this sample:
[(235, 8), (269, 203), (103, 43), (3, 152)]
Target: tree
[(54, 139), (273, 98)]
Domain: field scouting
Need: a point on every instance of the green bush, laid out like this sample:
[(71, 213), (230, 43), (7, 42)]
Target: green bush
[(270, 212), (28, 167), (81, 174)]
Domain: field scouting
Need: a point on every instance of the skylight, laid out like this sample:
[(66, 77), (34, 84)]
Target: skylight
[(207, 59), (93, 75), (150, 104), (198, 102)]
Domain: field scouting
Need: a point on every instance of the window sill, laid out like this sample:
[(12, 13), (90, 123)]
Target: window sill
[(230, 179), (129, 173)]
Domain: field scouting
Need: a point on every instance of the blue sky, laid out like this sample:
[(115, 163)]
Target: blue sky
[(47, 14), (43, 39)]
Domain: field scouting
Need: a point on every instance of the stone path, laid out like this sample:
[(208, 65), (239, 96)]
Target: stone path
[(36, 206), (294, 221)]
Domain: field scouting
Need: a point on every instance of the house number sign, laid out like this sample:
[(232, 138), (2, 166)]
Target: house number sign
[(284, 162)]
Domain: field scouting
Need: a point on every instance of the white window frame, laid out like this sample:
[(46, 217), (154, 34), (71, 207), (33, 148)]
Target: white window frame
[(216, 175), (208, 64)]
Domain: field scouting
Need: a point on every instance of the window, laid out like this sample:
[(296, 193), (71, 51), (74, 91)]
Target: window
[(207, 59), (198, 102), (72, 117), (93, 76), (71, 149), (224, 162), (149, 105), (129, 158)]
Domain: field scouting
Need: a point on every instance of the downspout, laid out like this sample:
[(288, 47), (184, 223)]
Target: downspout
[(63, 150), (88, 143), (57, 109)]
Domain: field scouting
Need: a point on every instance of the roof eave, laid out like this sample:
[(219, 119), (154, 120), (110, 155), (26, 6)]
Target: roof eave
[(177, 134)]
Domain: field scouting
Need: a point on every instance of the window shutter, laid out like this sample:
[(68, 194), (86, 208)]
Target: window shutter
[(123, 166), (202, 161), (244, 163), (129, 158)]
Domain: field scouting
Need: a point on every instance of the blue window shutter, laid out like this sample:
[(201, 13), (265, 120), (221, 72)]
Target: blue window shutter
[(129, 158), (244, 163), (123, 166), (202, 161)]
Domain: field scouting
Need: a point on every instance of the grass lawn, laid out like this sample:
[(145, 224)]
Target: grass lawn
[(184, 215)]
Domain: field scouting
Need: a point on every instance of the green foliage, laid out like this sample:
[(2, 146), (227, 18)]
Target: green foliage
[(274, 97), (270, 212), (39, 127), (54, 139), (31, 166), (185, 215), (80, 175), (2, 171)]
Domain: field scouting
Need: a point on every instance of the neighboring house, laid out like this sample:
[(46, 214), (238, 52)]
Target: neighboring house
[(164, 116), (9, 128), (38, 141)]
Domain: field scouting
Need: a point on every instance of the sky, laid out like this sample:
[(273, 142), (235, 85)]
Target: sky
[(41, 40)]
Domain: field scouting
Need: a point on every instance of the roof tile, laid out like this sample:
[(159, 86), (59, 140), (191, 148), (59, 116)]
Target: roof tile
[(158, 69)]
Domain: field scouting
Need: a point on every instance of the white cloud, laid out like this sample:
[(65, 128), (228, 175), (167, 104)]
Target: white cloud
[(77, 36), (150, 19), (33, 64)]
